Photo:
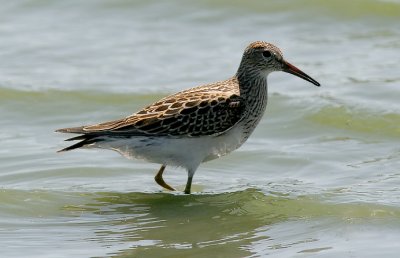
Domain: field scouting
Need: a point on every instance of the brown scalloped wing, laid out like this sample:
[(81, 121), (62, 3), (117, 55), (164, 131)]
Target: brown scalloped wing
[(193, 112)]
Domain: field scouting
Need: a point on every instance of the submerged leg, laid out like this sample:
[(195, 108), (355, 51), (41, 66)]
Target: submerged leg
[(189, 181), (159, 179)]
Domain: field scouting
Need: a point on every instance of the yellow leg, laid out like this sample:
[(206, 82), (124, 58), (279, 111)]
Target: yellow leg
[(159, 179)]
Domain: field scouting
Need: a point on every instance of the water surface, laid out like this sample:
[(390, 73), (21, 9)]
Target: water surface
[(318, 178)]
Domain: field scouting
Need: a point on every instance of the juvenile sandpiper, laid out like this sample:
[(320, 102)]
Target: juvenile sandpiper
[(195, 125)]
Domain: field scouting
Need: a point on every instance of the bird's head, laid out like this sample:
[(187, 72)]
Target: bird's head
[(263, 58)]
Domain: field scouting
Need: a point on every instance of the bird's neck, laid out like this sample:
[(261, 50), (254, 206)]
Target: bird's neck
[(252, 85), (254, 92)]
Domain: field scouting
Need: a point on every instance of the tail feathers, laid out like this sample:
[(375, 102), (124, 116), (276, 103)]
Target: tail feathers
[(86, 140), (72, 130), (77, 138)]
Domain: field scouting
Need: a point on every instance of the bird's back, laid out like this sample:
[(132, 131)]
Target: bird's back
[(205, 110)]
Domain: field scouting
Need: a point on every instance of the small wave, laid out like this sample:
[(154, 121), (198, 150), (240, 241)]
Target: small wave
[(358, 120), (85, 96)]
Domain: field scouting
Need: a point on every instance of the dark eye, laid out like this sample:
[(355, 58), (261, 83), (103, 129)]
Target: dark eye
[(266, 53)]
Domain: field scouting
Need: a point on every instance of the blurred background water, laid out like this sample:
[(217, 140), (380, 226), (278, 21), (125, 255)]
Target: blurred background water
[(319, 177)]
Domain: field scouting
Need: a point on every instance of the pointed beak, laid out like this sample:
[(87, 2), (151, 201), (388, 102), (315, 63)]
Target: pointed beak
[(289, 68)]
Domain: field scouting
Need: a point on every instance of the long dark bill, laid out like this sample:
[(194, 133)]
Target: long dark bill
[(289, 68)]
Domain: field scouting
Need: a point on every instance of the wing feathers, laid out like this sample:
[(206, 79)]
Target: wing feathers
[(206, 110)]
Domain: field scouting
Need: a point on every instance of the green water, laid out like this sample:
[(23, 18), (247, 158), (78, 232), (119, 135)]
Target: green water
[(318, 178)]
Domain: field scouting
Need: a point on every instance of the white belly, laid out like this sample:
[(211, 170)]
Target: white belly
[(186, 152)]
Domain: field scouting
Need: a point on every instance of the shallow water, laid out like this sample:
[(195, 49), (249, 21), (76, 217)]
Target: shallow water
[(319, 177)]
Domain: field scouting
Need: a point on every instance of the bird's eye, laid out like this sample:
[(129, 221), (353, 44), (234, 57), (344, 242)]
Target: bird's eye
[(266, 53)]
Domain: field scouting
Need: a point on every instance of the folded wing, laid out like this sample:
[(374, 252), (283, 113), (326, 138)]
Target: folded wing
[(190, 113)]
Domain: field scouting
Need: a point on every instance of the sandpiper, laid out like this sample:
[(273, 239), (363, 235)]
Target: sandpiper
[(195, 125)]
